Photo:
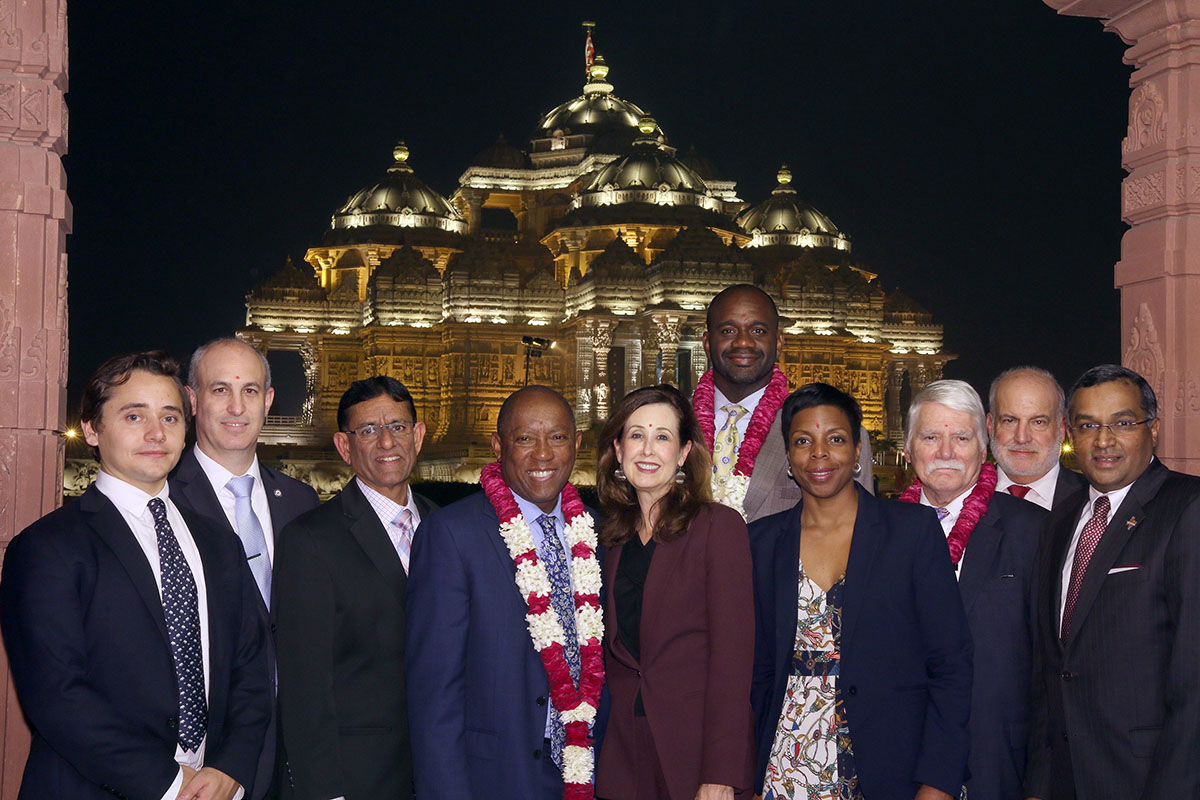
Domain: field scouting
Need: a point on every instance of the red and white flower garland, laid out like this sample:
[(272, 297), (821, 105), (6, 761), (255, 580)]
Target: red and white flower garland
[(974, 507), (576, 706), (734, 493)]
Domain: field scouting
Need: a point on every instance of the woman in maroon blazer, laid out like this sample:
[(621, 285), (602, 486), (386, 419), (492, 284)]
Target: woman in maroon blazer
[(678, 612)]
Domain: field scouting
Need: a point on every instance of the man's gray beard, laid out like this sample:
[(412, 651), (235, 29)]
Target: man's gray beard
[(1000, 453)]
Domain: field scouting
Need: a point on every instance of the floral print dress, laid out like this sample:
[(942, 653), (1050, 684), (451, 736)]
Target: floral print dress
[(811, 758)]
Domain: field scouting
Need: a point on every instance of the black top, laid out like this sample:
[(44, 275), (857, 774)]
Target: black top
[(628, 589)]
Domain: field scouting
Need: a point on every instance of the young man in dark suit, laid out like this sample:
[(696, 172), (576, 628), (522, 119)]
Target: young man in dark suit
[(221, 479), (131, 625), (1117, 707), (340, 585)]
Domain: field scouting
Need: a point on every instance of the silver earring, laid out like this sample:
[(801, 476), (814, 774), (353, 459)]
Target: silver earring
[(857, 469), (680, 475), (790, 475), (619, 473)]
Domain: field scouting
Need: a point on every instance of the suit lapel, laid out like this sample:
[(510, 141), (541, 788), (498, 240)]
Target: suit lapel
[(373, 539), (198, 492), (612, 561), (662, 567), (766, 466), (863, 548), (787, 586), (984, 546), (1061, 540), (110, 526)]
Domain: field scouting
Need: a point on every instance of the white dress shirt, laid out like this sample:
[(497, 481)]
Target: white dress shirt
[(749, 402), (132, 502), (1040, 491), (219, 477), (1115, 499), (955, 508), (387, 510)]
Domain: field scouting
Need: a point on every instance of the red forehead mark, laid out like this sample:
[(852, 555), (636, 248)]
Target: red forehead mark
[(237, 377)]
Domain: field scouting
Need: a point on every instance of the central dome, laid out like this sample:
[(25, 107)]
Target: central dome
[(609, 121)]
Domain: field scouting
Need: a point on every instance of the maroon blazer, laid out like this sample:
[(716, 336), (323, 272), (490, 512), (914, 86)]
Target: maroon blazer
[(697, 642)]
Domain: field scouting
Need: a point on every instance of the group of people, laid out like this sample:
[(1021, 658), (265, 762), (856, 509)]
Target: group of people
[(740, 616)]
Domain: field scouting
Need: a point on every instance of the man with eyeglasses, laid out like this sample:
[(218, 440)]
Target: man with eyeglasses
[(1117, 701), (340, 585)]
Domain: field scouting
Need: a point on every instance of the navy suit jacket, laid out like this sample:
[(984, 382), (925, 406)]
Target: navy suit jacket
[(477, 690), (997, 591), (287, 498), (87, 642), (906, 651), (1069, 482)]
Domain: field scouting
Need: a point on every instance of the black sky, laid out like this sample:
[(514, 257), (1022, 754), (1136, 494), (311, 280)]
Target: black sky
[(970, 150)]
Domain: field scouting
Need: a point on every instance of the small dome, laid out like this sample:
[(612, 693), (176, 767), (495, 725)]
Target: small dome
[(400, 199), (501, 155), (647, 165), (784, 218)]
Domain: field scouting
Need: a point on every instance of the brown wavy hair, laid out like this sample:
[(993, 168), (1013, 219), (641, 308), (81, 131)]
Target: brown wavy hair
[(682, 503)]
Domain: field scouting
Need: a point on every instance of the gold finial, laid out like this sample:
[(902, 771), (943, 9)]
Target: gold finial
[(647, 125), (400, 153), (784, 176), (598, 71)]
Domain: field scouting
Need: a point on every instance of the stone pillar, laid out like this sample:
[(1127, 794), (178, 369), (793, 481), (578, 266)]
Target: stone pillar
[(663, 334), (474, 198), (895, 417), (601, 331), (35, 217), (1159, 270)]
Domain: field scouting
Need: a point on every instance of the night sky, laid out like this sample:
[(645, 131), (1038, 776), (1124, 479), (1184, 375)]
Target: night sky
[(970, 151)]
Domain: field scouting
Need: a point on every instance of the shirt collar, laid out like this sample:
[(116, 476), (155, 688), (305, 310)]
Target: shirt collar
[(1043, 486), (749, 402), (954, 506), (387, 508), (126, 496), (531, 513), (219, 476), (1115, 497)]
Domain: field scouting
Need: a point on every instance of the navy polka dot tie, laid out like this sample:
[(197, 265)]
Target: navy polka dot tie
[(182, 610)]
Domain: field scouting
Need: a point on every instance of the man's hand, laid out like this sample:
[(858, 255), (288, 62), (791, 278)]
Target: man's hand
[(713, 791), (930, 793), (208, 784), (188, 774)]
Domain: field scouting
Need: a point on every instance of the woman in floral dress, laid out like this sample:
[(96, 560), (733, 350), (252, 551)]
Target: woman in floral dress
[(862, 656)]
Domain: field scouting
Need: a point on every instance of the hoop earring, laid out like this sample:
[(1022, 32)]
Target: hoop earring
[(857, 469), (619, 473), (680, 475), (790, 475)]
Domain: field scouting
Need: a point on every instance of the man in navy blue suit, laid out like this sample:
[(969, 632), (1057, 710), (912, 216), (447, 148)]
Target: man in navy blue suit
[(132, 627), (478, 692)]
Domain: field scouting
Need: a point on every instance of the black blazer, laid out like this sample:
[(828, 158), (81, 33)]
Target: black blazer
[(339, 605), (287, 498), (87, 642), (1069, 482), (997, 593), (906, 650), (1117, 709)]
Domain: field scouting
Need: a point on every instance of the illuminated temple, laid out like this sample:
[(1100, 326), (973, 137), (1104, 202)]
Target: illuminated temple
[(584, 261)]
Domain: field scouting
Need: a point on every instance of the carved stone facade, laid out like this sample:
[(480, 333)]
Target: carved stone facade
[(35, 217), (1159, 270)]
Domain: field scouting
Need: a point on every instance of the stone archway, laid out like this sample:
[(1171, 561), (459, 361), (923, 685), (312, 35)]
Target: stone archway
[(1159, 271)]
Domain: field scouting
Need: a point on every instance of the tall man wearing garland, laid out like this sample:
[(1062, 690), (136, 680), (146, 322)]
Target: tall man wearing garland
[(993, 540), (503, 704), (738, 402), (340, 582)]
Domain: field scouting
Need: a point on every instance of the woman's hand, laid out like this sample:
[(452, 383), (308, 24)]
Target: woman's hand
[(930, 793), (713, 791)]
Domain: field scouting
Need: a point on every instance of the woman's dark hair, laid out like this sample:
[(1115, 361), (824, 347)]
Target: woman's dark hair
[(116, 372), (811, 395), (617, 498)]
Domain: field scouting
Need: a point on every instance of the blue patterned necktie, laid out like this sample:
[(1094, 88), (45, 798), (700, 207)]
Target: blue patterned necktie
[(250, 531), (941, 512), (563, 600), (182, 611)]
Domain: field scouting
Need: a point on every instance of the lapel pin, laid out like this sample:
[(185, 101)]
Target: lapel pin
[(1131, 523), (278, 493)]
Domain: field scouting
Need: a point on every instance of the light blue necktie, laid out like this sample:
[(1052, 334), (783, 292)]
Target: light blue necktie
[(563, 600), (250, 531)]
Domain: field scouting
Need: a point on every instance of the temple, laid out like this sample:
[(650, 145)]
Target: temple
[(584, 262)]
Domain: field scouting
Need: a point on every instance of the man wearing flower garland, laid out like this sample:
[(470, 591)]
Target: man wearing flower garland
[(737, 403), (504, 633), (993, 540)]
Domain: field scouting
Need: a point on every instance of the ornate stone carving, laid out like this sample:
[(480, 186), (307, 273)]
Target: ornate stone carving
[(8, 462), (1144, 355), (1143, 191), (1147, 119), (1187, 399)]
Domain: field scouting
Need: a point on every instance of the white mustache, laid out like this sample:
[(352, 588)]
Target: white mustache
[(949, 463)]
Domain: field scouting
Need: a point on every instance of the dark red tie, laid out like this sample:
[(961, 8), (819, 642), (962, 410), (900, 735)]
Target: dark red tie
[(1088, 539), (1017, 490)]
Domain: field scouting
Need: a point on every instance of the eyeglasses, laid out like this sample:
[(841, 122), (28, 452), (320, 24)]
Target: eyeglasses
[(1120, 427), (370, 432)]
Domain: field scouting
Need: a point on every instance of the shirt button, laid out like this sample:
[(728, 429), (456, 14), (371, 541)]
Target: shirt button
[(853, 690), (537, 753), (1066, 676), (172, 723), (541, 701)]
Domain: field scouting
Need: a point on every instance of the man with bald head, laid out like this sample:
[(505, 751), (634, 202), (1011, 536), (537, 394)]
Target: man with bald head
[(478, 691), (1027, 420)]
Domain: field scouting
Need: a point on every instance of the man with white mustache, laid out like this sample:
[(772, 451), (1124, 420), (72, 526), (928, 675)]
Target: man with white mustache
[(993, 540)]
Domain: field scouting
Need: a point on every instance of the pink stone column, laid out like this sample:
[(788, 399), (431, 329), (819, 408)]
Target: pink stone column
[(1159, 270), (35, 217)]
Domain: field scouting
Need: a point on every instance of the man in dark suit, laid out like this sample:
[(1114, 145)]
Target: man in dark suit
[(1027, 421), (478, 690), (340, 585), (131, 625), (1117, 710), (221, 479), (947, 443)]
